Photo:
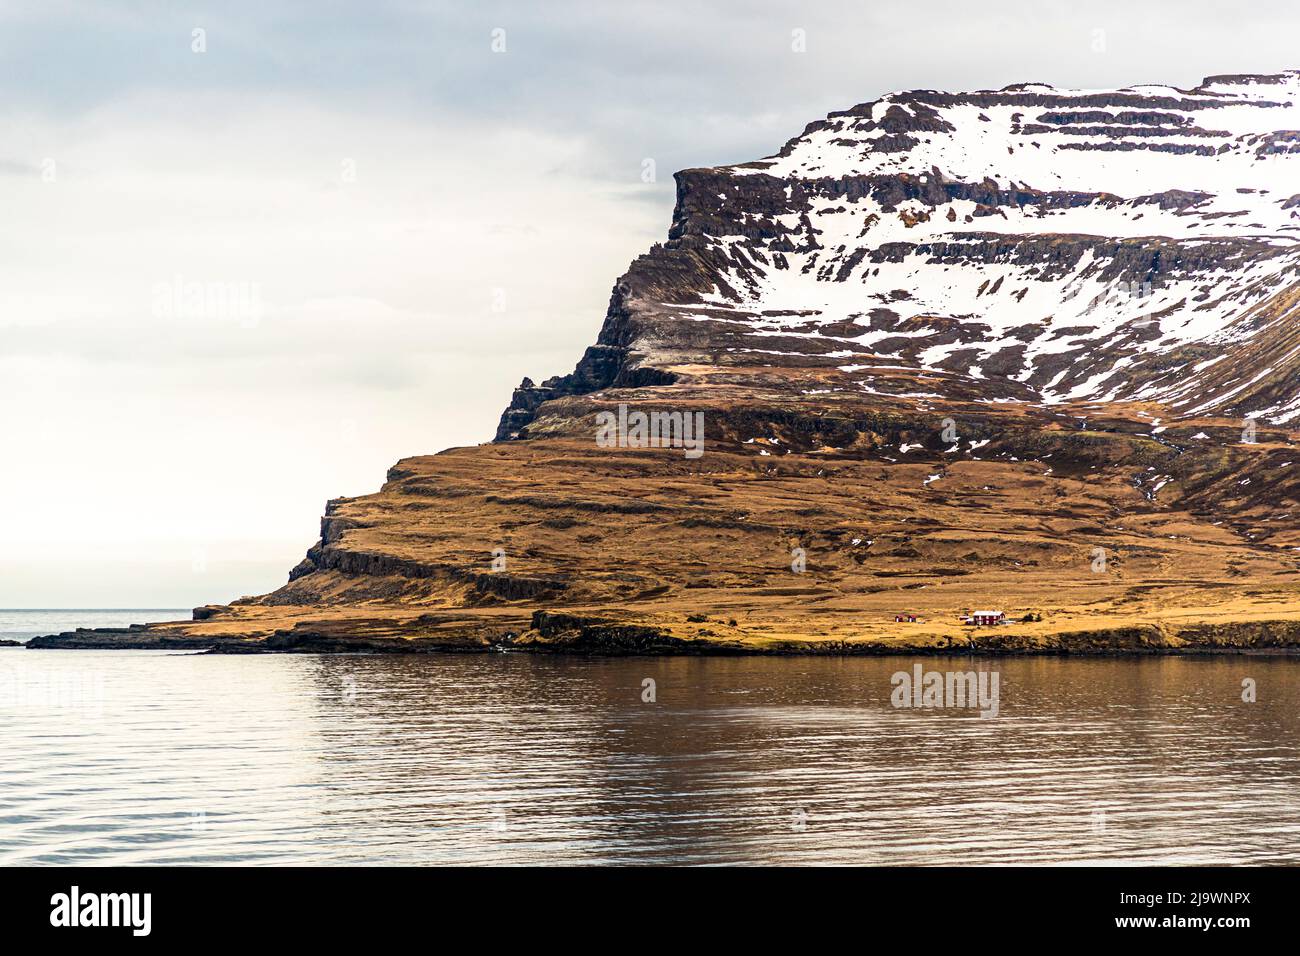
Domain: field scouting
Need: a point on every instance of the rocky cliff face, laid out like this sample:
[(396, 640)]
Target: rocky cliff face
[(1028, 244), (1029, 349)]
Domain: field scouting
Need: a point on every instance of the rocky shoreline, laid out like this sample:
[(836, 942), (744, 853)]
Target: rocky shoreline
[(567, 634)]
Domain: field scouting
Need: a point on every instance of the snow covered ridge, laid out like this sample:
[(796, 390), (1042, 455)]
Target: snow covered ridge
[(1225, 134), (1053, 245)]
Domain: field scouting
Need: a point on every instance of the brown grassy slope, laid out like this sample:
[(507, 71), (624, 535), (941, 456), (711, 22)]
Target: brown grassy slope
[(645, 549)]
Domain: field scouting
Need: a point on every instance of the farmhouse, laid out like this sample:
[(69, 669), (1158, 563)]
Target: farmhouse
[(983, 618)]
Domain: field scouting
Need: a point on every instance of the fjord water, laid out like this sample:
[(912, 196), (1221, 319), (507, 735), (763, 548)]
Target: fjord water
[(142, 757)]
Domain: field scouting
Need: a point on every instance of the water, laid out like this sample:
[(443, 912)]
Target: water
[(144, 757), (22, 625)]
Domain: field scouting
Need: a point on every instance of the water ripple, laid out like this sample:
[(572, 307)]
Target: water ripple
[(163, 758)]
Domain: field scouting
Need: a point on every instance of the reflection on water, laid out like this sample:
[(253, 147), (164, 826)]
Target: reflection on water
[(144, 757)]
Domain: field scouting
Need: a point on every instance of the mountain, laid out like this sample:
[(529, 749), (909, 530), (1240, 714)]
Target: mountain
[(1029, 244), (1028, 349)]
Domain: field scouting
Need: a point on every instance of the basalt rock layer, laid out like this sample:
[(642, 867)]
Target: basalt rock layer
[(1032, 349)]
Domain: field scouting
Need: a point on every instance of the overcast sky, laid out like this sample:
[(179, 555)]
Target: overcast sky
[(244, 270)]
